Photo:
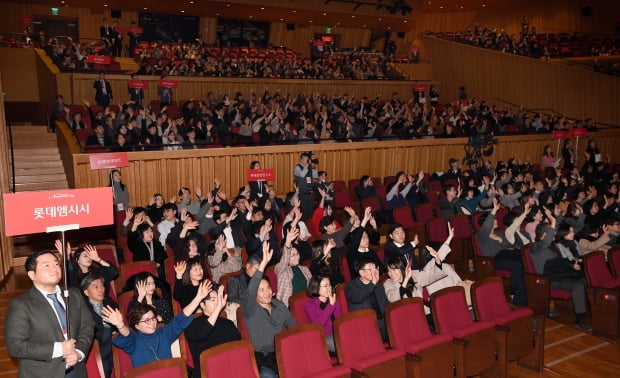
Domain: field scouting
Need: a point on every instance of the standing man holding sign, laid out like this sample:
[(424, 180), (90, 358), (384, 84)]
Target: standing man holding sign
[(36, 324), (304, 173)]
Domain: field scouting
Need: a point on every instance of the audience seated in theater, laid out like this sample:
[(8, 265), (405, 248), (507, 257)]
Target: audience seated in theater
[(358, 243), (141, 338), (292, 277), (237, 286), (222, 260), (93, 286), (81, 266), (210, 329), (144, 286), (188, 277), (324, 308), (323, 264), (264, 317), (365, 292)]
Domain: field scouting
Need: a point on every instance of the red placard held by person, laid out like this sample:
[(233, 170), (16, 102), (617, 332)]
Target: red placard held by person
[(560, 134), (578, 132), (26, 20), (266, 174), (98, 59), (138, 84), (33, 212), (135, 30), (168, 83), (420, 88), (109, 160)]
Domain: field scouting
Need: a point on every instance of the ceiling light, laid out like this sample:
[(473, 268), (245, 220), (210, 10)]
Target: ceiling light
[(441, 7), (484, 5), (191, 2), (281, 19), (324, 14), (182, 11), (228, 5), (105, 5), (461, 7), (310, 21), (294, 11), (62, 2), (145, 8), (405, 21), (353, 16), (380, 19), (262, 8)]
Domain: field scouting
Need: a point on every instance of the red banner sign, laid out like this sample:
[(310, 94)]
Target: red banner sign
[(34, 212), (26, 20), (110, 160), (560, 134), (135, 30), (267, 174), (578, 132), (140, 84), (98, 59), (420, 88), (119, 30), (168, 83)]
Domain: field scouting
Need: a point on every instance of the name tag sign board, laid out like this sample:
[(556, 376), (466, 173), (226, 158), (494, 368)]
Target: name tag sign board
[(168, 83), (34, 212), (109, 160), (579, 132), (139, 84), (267, 174), (560, 134), (98, 59)]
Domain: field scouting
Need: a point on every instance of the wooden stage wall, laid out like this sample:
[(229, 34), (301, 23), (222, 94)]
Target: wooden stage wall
[(165, 171), (198, 87)]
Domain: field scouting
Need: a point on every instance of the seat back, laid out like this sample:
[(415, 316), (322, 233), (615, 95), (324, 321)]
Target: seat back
[(488, 298), (94, 365), (171, 275), (107, 251), (373, 202), (229, 360), (344, 268), (613, 255), (123, 302), (352, 184), (424, 212), (402, 215), (166, 368), (301, 351), (342, 200), (339, 186), (122, 361), (597, 272), (406, 322), (437, 229), (296, 304), (526, 257), (243, 329), (357, 336), (462, 228), (449, 308), (273, 278), (342, 298)]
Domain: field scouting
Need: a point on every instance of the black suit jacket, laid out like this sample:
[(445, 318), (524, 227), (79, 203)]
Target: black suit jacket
[(102, 99), (32, 328)]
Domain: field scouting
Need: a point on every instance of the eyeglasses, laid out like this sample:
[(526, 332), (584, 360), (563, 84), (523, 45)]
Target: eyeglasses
[(149, 320)]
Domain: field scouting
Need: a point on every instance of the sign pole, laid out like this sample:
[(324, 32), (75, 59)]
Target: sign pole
[(65, 261), (576, 149)]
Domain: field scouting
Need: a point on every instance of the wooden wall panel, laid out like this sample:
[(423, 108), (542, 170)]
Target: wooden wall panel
[(157, 172), (534, 83), (19, 66), (82, 87), (6, 243)]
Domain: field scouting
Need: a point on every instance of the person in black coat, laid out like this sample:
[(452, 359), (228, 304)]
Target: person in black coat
[(136, 94), (93, 287), (103, 90), (145, 247)]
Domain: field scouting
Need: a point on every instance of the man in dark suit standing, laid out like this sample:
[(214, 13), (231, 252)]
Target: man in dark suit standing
[(103, 94), (136, 94), (106, 32), (36, 324), (93, 287)]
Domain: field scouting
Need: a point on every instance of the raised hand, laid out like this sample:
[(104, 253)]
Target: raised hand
[(141, 288), (204, 289), (434, 254), (91, 252), (129, 211), (292, 234), (113, 316), (220, 243), (179, 269), (198, 192)]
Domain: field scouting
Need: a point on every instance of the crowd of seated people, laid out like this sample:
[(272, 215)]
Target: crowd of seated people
[(563, 213), (213, 61), (303, 119), (532, 44)]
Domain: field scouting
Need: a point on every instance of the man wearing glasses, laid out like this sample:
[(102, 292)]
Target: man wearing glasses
[(365, 292)]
